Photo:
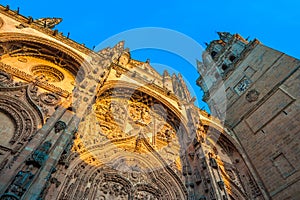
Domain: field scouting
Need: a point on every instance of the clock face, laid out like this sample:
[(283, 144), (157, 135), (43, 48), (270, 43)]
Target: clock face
[(130, 125), (242, 85)]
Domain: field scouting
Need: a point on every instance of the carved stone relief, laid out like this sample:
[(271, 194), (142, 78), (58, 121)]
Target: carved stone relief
[(252, 95), (133, 117), (23, 48), (123, 150), (106, 183)]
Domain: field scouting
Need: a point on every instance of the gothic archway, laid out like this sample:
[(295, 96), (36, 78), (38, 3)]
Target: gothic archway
[(129, 146)]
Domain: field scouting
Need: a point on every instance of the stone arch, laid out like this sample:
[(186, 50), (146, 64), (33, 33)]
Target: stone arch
[(20, 119), (233, 167), (222, 132), (160, 97), (24, 119), (144, 191), (93, 156), (80, 65)]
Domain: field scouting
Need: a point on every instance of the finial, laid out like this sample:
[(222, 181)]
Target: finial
[(224, 36), (166, 73), (148, 60), (30, 20), (68, 35), (55, 32)]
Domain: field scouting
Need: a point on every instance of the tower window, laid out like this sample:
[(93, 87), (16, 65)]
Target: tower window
[(224, 67), (213, 54), (232, 58)]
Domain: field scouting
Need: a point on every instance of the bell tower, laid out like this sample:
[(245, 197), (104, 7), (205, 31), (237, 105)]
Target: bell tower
[(255, 90)]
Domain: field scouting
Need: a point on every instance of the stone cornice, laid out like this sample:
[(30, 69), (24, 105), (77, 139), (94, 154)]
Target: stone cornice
[(52, 33)]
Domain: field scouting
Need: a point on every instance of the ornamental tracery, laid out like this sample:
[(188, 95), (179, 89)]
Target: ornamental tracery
[(47, 73), (125, 148), (135, 118)]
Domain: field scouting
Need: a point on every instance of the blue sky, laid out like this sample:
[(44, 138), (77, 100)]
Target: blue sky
[(274, 23)]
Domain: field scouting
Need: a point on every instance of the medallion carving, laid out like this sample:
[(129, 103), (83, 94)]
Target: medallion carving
[(50, 99), (252, 95), (47, 73)]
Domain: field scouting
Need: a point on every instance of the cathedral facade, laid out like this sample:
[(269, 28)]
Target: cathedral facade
[(80, 124)]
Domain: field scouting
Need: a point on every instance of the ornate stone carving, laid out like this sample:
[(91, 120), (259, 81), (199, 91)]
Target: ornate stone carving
[(47, 73), (59, 126), (140, 114), (40, 155), (5, 79), (50, 99), (19, 185), (17, 49), (252, 95), (24, 118), (242, 85), (48, 22), (114, 190), (27, 77)]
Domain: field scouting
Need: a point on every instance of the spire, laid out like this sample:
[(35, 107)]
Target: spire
[(166, 74), (184, 88), (224, 36)]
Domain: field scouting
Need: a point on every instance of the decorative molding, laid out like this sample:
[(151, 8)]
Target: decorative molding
[(24, 21), (29, 78)]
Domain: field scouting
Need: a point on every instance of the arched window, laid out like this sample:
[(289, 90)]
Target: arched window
[(224, 67), (213, 54), (232, 58)]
